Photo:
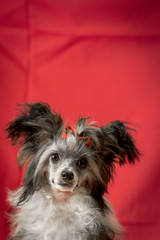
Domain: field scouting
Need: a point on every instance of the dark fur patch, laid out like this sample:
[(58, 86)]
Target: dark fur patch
[(35, 125), (112, 144)]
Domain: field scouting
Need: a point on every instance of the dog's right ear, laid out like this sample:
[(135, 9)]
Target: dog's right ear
[(35, 125)]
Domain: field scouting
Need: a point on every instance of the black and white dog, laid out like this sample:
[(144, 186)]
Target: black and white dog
[(66, 176)]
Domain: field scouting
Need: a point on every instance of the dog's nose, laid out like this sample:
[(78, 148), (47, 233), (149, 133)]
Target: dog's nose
[(67, 176)]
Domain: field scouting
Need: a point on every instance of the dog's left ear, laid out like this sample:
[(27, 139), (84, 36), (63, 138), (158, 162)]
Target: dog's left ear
[(117, 144), (113, 142)]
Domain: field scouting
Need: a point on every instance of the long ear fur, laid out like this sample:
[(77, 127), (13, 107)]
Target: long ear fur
[(35, 124), (112, 144), (118, 144)]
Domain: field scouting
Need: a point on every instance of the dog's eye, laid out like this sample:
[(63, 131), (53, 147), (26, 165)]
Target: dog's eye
[(54, 157), (82, 163)]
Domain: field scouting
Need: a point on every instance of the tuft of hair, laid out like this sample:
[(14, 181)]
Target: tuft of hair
[(118, 138), (112, 144), (36, 124)]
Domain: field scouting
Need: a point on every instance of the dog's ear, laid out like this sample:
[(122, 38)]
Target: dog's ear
[(35, 125), (117, 143), (112, 144)]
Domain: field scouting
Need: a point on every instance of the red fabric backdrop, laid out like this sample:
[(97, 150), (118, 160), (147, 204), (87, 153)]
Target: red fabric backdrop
[(96, 58)]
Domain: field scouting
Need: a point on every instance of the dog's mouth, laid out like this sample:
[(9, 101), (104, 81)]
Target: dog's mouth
[(68, 186), (65, 187)]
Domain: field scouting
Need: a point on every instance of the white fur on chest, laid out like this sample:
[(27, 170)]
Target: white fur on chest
[(44, 219)]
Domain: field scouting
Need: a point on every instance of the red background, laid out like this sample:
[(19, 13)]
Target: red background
[(96, 58)]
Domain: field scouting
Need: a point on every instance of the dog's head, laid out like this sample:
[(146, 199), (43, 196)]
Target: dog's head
[(67, 160)]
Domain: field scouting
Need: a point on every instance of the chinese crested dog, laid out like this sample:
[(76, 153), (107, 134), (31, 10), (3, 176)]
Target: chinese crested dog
[(66, 175)]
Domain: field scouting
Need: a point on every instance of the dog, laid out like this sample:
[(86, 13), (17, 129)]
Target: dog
[(66, 175)]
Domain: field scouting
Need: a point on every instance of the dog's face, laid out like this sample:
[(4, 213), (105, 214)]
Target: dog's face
[(68, 161), (68, 164)]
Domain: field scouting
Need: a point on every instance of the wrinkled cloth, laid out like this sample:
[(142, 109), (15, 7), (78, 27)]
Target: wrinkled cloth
[(87, 58)]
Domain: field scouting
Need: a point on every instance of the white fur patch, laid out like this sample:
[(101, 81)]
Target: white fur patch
[(42, 218)]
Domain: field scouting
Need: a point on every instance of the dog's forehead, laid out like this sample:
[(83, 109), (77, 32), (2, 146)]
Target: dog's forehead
[(69, 146)]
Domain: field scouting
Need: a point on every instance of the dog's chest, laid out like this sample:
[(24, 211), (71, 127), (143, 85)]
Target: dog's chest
[(77, 219)]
